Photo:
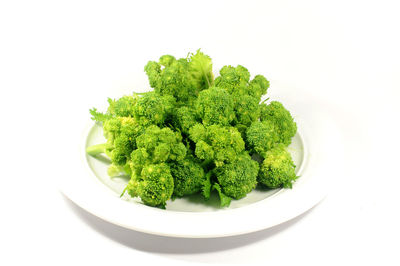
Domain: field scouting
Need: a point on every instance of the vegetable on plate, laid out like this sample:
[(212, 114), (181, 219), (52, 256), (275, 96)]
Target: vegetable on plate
[(196, 133)]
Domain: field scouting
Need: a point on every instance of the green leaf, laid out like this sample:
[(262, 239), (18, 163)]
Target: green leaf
[(206, 189), (97, 116), (201, 68), (225, 200)]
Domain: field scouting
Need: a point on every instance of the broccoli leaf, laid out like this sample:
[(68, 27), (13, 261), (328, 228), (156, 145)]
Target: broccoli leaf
[(98, 116), (206, 189), (225, 200), (201, 69)]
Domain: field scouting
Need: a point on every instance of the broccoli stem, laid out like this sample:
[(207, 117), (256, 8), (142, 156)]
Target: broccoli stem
[(265, 100), (206, 163), (96, 149)]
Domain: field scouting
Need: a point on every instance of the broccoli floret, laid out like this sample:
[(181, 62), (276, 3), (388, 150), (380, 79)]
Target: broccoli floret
[(261, 136), (183, 78), (285, 126), (277, 169), (215, 106), (154, 185), (246, 95), (123, 146), (247, 110), (111, 128), (121, 134), (233, 79), (153, 109), (258, 86), (238, 177), (123, 106), (120, 129), (171, 79), (184, 118), (216, 144), (188, 175), (155, 146)]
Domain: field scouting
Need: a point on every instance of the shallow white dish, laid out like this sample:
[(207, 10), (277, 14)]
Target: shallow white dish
[(313, 150)]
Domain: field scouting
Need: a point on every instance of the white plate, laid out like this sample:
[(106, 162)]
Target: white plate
[(314, 153)]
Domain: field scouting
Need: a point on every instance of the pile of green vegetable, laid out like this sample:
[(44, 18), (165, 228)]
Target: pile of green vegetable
[(194, 134)]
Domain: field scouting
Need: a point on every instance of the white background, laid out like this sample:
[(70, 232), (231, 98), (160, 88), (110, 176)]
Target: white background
[(59, 58)]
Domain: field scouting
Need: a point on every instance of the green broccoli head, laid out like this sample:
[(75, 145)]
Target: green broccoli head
[(277, 169), (170, 79), (123, 106), (258, 86), (188, 175), (233, 79), (261, 136), (247, 110), (215, 106), (216, 143), (276, 113), (183, 78), (157, 145), (153, 109), (153, 71), (154, 186), (121, 134), (183, 119), (238, 177), (111, 128)]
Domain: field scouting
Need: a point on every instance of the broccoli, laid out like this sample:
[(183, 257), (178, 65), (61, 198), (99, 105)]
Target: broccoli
[(286, 128), (246, 94), (238, 177), (258, 86), (276, 126), (236, 81), (153, 109), (247, 110), (233, 79), (122, 107), (183, 78), (215, 106), (196, 134), (188, 175), (155, 146), (154, 185), (121, 134), (277, 169), (217, 144), (261, 136), (183, 119)]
